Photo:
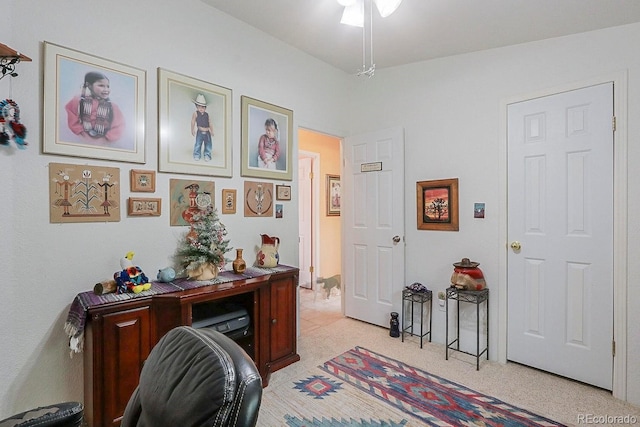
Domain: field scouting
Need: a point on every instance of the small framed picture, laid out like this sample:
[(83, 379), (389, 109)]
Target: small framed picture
[(144, 206), (333, 195), (283, 192), (437, 204), (228, 201), (143, 181)]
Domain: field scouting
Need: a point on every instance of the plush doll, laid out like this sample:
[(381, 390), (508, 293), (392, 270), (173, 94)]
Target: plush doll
[(131, 278)]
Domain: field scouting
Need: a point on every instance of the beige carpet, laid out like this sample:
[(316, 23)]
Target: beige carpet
[(325, 334)]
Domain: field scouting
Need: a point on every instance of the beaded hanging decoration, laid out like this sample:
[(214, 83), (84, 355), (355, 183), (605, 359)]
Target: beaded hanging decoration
[(10, 127)]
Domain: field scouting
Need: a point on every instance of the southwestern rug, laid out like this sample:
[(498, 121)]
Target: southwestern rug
[(432, 399)]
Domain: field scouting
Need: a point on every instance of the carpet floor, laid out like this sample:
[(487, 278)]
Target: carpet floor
[(303, 394)]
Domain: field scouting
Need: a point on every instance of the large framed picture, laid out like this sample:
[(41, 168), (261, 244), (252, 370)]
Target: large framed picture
[(267, 140), (334, 194), (194, 126), (93, 107), (437, 203)]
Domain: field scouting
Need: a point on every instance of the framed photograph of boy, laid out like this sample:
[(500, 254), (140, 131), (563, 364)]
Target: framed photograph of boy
[(267, 140), (93, 107), (194, 126)]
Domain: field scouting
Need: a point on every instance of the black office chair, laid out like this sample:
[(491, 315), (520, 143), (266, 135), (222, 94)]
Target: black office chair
[(195, 377), (67, 414)]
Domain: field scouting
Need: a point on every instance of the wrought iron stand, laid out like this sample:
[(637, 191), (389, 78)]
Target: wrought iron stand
[(410, 298), (473, 297)]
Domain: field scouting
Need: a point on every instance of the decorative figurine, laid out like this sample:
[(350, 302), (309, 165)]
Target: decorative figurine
[(394, 325), (166, 274), (467, 276), (131, 278)]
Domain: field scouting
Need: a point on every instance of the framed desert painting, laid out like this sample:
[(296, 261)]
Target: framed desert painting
[(194, 126), (93, 107), (437, 204)]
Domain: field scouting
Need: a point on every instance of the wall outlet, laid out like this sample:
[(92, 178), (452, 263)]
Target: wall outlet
[(441, 300)]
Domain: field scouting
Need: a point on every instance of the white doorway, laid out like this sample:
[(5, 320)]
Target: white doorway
[(308, 163), (373, 225), (560, 230)]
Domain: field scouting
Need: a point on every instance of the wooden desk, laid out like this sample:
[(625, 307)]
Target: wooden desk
[(120, 335)]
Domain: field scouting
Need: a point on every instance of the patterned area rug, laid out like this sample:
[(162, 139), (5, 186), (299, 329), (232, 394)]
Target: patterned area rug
[(434, 400)]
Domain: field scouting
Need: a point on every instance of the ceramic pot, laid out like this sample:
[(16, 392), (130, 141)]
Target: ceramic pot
[(239, 266), (268, 254), (206, 271), (467, 276)]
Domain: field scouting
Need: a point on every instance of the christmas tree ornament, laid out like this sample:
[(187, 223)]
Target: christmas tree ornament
[(201, 252)]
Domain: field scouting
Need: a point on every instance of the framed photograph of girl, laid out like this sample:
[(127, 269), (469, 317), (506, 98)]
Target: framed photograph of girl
[(93, 107), (195, 126), (267, 139)]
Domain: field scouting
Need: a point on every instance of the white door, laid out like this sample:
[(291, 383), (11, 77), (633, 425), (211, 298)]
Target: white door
[(560, 206), (373, 225), (305, 207)]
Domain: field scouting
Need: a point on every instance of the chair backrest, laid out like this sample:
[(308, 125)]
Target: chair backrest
[(195, 377)]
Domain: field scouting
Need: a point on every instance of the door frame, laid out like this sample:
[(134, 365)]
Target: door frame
[(315, 212), (619, 219)]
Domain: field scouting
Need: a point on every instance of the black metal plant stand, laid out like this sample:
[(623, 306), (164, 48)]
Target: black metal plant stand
[(411, 298), (473, 297)]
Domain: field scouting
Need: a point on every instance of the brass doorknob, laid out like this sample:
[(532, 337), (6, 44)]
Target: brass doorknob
[(515, 245)]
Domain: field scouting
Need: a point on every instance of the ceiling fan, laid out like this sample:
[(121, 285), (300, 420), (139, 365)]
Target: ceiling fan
[(354, 10)]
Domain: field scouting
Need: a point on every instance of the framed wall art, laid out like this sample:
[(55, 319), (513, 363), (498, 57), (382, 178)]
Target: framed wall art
[(437, 204), (93, 107), (334, 194), (83, 193), (267, 140), (194, 119), (144, 206), (142, 181), (258, 199), (187, 197), (283, 192), (228, 201)]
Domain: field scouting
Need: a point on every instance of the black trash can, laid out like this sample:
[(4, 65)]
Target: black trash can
[(67, 414)]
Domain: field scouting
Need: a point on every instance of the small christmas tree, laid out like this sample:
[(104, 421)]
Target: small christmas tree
[(204, 246)]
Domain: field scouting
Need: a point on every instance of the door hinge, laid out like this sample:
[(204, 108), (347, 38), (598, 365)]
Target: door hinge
[(311, 269), (613, 348), (311, 176), (613, 123)]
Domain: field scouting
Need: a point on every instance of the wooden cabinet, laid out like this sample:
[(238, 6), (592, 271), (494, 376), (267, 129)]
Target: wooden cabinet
[(282, 323), (118, 342), (120, 335)]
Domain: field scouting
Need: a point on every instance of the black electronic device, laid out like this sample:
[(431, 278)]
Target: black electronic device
[(230, 319)]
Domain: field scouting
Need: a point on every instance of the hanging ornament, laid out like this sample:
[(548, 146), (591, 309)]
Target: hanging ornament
[(10, 126)]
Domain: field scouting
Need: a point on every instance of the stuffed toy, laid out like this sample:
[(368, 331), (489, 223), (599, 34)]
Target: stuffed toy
[(131, 278)]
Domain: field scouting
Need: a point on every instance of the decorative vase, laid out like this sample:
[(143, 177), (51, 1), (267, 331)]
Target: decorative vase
[(238, 264), (268, 254), (467, 276), (207, 271)]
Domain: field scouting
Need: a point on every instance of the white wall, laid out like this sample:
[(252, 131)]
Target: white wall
[(449, 109), (45, 265)]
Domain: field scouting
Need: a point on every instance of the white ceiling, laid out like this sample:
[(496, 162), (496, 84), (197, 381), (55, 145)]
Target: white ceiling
[(425, 29)]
